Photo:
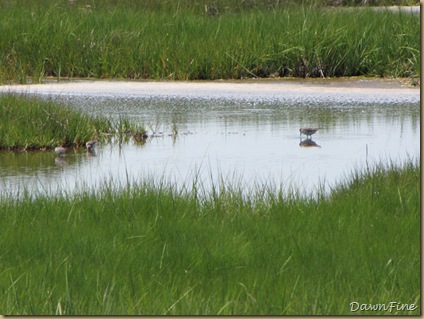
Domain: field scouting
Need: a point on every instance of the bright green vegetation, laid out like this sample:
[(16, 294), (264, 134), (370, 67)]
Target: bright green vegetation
[(30, 123), (187, 40), (148, 249)]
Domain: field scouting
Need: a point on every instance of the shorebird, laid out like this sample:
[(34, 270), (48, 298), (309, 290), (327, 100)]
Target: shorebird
[(308, 131), (90, 145), (60, 150), (140, 136)]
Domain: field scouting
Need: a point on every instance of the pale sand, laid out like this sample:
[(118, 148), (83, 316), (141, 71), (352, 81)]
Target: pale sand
[(216, 89)]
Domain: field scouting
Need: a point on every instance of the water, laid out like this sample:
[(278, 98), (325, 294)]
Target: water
[(245, 134)]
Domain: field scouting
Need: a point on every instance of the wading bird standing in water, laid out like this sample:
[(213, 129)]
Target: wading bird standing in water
[(60, 150), (90, 145), (308, 131)]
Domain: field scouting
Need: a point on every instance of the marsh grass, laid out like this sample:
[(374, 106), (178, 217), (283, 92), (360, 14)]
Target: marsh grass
[(149, 249), (179, 40), (32, 123)]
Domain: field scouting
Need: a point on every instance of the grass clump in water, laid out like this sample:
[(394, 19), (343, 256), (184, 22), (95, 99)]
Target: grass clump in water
[(149, 249), (30, 123)]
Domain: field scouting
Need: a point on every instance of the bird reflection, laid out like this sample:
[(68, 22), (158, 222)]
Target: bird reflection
[(60, 161), (308, 143)]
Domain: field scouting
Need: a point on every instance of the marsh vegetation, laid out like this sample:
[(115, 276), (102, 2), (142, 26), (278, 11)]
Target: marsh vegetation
[(32, 123), (149, 249), (182, 41)]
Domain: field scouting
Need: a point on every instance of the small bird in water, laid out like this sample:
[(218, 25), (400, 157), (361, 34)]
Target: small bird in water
[(90, 145), (308, 131), (60, 150)]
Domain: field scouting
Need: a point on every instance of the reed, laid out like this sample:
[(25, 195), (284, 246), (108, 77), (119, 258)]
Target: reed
[(180, 40), (149, 249)]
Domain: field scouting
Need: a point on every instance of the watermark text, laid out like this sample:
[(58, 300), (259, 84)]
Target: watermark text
[(390, 307)]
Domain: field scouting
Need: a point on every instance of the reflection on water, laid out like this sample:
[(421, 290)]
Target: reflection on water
[(250, 142), (308, 143)]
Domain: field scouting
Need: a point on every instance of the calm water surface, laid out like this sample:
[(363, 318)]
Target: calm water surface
[(245, 134)]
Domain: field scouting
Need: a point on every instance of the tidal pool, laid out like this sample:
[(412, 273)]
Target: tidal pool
[(242, 134)]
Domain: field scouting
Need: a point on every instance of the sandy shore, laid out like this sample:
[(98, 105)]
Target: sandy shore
[(216, 89)]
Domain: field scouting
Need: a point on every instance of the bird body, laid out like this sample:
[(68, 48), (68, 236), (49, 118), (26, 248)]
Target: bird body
[(90, 145), (308, 131), (60, 150)]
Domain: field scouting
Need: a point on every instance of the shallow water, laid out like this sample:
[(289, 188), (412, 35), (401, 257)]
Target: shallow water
[(246, 134)]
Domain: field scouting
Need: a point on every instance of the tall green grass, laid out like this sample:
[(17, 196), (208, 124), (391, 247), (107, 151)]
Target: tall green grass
[(149, 249), (31, 123), (176, 40)]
